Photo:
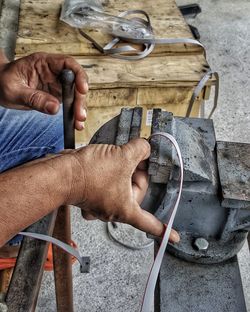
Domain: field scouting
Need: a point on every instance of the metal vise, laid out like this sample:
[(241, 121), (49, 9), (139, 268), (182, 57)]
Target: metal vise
[(213, 217)]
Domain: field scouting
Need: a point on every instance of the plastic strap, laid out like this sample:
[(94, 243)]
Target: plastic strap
[(199, 88), (149, 43), (148, 298), (74, 252)]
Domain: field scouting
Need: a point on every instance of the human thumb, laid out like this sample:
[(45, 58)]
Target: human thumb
[(39, 100), (137, 150)]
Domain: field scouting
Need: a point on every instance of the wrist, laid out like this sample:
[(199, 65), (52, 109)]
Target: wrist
[(61, 166), (74, 177)]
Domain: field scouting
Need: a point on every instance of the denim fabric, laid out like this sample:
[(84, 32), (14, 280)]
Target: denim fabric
[(26, 135)]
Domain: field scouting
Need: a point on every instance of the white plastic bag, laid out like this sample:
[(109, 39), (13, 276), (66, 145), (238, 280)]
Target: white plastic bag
[(89, 14)]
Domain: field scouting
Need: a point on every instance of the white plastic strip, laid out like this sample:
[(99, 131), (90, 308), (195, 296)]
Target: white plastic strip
[(199, 88), (152, 279), (149, 43), (58, 243)]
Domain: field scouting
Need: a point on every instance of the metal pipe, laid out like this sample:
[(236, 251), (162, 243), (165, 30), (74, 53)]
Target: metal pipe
[(62, 231)]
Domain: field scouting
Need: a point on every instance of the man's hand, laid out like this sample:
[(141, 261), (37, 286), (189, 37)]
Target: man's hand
[(113, 182), (32, 83), (108, 182)]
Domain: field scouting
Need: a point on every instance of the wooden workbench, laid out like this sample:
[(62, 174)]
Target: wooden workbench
[(165, 79)]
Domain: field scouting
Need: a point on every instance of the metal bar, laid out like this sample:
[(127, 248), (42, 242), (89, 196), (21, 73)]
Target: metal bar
[(9, 26), (26, 279), (135, 128), (62, 262), (123, 129), (160, 165), (67, 80), (5, 278), (62, 231)]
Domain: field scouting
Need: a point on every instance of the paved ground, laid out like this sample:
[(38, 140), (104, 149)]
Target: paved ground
[(118, 275)]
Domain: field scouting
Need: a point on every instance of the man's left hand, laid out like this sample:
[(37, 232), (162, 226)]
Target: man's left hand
[(32, 83)]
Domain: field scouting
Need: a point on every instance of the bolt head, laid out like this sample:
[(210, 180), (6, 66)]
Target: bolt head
[(201, 244)]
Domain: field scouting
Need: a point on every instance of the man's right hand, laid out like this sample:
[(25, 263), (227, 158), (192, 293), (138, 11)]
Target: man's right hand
[(109, 182)]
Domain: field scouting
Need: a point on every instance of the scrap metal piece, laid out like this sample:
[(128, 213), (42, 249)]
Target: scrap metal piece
[(85, 267), (234, 170), (26, 279), (198, 157)]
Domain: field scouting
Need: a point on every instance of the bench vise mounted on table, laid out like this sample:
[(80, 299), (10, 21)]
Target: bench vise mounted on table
[(213, 217)]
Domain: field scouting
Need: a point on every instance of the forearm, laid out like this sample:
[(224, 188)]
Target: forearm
[(30, 192)]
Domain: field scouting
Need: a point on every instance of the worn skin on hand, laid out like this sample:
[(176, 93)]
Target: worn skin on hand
[(115, 183), (35, 84), (107, 182)]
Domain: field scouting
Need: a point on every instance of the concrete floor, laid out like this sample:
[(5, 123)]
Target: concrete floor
[(118, 275)]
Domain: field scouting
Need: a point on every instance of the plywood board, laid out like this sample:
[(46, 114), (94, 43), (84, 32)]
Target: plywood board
[(41, 30), (105, 104), (158, 71)]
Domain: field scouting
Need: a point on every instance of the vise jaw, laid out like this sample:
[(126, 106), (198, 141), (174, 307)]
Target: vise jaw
[(213, 217)]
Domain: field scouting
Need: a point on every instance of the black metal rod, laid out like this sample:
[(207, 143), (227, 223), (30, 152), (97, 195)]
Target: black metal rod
[(62, 231), (67, 79)]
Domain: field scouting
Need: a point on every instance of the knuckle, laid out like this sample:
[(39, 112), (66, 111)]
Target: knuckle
[(35, 99), (38, 55)]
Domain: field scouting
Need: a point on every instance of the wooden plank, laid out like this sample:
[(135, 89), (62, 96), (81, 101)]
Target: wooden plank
[(41, 30), (103, 105), (159, 71), (25, 283)]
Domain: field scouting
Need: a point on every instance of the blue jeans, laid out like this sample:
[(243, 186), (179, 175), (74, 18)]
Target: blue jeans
[(27, 135)]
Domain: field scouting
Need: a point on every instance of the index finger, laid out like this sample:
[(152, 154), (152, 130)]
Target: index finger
[(58, 62), (81, 80), (146, 222)]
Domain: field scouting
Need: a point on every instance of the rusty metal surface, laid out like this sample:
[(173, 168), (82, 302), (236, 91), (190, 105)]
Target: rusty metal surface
[(62, 231), (62, 262), (123, 129), (160, 163), (5, 278), (234, 171), (201, 190), (135, 128), (26, 279)]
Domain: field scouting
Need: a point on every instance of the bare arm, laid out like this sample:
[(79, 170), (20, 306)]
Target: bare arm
[(30, 192), (105, 181)]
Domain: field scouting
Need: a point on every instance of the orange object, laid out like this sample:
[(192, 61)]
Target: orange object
[(7, 263)]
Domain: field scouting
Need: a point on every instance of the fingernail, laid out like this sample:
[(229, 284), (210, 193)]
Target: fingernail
[(81, 126), (51, 108), (83, 112), (86, 86), (175, 237)]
